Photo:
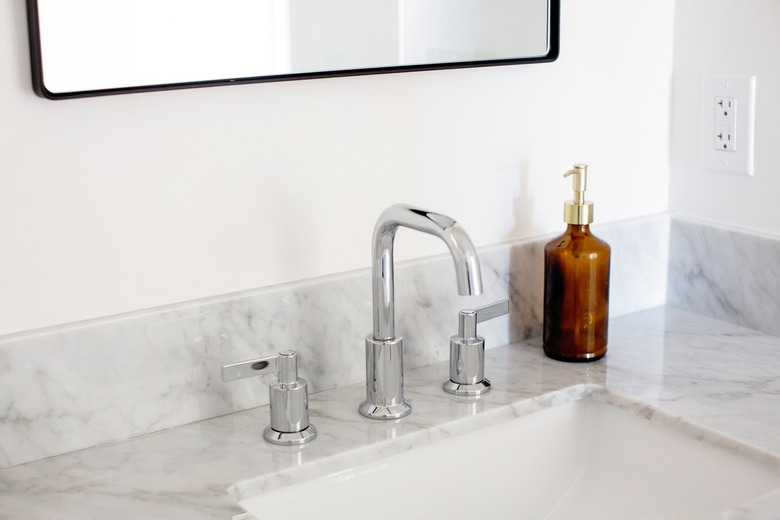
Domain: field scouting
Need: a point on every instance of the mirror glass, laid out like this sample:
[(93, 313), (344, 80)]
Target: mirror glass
[(95, 47)]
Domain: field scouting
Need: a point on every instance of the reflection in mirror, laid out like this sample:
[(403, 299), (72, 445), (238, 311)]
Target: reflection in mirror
[(95, 47)]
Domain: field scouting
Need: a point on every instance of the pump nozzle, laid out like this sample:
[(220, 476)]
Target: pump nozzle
[(579, 181), (578, 211)]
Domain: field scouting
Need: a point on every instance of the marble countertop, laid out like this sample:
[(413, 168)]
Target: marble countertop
[(714, 374)]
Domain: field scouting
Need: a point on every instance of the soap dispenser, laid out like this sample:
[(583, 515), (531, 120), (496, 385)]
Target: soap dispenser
[(576, 283)]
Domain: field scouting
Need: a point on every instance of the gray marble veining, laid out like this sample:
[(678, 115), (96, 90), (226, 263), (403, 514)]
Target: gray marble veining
[(725, 273), (88, 384), (716, 380)]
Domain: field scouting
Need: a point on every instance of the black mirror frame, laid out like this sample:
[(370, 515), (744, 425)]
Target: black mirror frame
[(40, 88)]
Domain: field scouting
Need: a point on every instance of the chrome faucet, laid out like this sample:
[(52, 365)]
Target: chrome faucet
[(288, 396), (384, 350)]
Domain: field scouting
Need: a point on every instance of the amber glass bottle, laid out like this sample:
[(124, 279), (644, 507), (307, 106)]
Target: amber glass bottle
[(576, 283)]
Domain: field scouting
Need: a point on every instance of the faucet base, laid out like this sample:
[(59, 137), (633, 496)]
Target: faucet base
[(463, 390), (290, 438), (385, 380), (395, 411)]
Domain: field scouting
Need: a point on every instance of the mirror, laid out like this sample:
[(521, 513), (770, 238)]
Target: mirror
[(98, 47)]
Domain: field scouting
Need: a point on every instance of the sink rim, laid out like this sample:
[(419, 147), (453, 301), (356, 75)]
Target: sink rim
[(372, 453)]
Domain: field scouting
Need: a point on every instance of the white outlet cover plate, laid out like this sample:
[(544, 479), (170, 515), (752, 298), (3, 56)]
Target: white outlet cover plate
[(743, 88)]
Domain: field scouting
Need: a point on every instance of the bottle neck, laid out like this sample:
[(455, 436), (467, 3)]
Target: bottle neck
[(578, 229)]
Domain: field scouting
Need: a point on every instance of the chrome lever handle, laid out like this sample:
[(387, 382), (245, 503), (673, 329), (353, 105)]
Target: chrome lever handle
[(468, 318), (467, 351), (289, 399), (249, 368)]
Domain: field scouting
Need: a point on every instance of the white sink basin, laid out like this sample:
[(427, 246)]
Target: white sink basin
[(585, 459)]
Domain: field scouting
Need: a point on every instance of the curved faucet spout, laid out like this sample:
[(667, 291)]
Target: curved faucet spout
[(463, 254), (385, 351)]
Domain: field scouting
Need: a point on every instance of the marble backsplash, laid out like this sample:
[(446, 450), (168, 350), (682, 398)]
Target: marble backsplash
[(107, 380), (725, 273)]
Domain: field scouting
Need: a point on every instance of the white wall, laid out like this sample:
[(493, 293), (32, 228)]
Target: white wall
[(726, 38), (120, 203)]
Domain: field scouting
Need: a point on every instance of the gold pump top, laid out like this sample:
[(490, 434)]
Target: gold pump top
[(578, 211)]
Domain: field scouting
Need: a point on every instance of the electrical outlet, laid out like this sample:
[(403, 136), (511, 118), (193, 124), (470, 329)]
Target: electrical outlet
[(727, 123)]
